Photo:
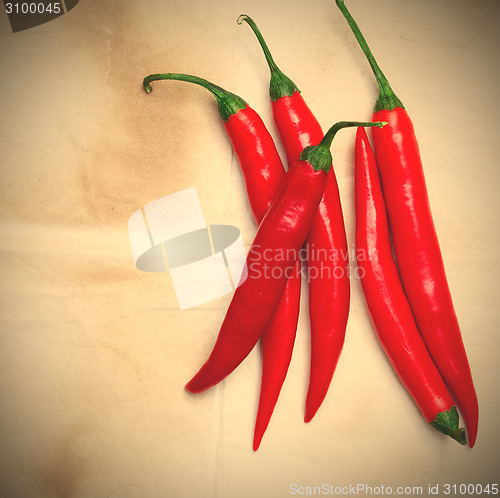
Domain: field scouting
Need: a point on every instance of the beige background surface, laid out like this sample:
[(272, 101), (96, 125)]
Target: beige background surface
[(94, 353)]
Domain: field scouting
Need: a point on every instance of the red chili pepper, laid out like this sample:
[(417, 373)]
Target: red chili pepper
[(263, 173), (271, 257), (326, 246), (387, 302), (415, 241)]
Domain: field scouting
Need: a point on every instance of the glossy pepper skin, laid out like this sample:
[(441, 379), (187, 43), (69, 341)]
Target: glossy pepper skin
[(416, 245), (281, 232), (259, 160), (326, 246), (387, 302), (277, 346), (271, 257), (263, 173)]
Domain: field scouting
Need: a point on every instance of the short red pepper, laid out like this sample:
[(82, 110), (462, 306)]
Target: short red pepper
[(387, 302)]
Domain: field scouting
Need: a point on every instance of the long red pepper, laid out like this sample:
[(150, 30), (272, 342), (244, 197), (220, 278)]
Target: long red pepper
[(415, 241), (326, 246), (387, 302), (263, 173), (271, 257)]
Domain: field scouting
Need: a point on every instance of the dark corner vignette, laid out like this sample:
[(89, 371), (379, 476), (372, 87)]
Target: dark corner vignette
[(28, 14)]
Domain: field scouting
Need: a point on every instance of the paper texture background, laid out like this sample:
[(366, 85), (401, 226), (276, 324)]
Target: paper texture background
[(94, 353)]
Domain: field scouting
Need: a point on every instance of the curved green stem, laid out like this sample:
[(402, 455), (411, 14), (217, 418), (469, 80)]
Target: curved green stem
[(387, 98), (319, 156), (228, 102), (447, 423), (280, 85)]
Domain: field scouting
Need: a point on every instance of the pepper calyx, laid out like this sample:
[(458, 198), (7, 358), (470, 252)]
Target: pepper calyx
[(281, 85), (387, 102), (319, 156), (447, 423)]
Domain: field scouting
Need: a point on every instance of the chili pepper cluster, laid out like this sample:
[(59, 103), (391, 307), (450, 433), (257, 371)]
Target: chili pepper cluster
[(397, 249)]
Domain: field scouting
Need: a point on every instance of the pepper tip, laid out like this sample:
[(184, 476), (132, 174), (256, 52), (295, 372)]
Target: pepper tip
[(447, 423), (190, 388), (310, 411)]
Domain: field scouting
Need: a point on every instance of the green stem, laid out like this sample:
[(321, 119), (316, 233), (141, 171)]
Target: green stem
[(447, 423), (319, 156), (228, 102), (387, 98), (280, 85)]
